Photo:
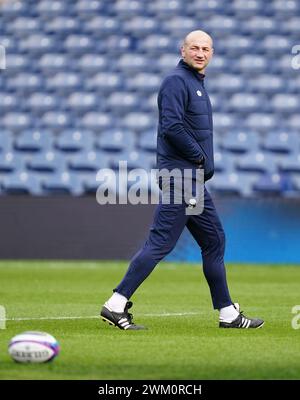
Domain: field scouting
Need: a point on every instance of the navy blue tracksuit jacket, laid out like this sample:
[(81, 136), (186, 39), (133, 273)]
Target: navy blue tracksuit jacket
[(185, 141), (185, 128)]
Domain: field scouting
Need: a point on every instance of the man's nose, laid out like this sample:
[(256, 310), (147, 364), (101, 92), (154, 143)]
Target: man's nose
[(200, 53)]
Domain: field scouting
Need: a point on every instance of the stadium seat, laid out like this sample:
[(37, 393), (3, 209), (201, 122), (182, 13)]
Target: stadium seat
[(147, 140), (259, 26), (24, 25), (267, 83), (290, 164), (218, 64), (235, 45), (38, 43), (223, 162), (143, 82), (296, 183), (102, 25), (165, 7), (158, 44), (6, 140), (104, 82), (137, 121), (130, 63), (16, 62), (34, 140), (140, 25), (286, 103), (224, 121), (61, 24), (291, 25), (116, 140), (14, 8), (10, 161), (78, 44), (257, 162), (53, 62), (121, 102), (247, 102), (282, 142), (276, 44), (247, 8), (21, 182), (180, 25), (117, 44), (226, 82), (16, 120), (234, 183), (134, 159), (89, 160), (87, 7), (96, 121), (26, 82), (75, 140), (272, 184), (127, 8), (240, 141), (164, 61), (249, 64), (40, 102), (82, 101), (262, 122), (222, 25), (55, 120), (62, 183), (92, 63), (64, 81), (285, 8), (205, 8), (51, 7), (8, 102), (293, 122), (48, 161)]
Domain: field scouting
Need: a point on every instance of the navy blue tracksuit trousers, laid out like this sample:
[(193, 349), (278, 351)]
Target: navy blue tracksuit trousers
[(169, 222)]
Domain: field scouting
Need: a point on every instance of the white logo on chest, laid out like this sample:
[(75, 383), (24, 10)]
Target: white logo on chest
[(199, 93)]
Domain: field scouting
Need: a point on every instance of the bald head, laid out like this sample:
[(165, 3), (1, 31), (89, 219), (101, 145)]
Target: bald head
[(197, 50), (197, 35)]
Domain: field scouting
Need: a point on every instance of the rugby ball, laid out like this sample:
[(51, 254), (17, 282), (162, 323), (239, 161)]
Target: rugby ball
[(33, 347)]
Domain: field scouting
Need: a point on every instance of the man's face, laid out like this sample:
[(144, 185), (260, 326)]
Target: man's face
[(197, 53)]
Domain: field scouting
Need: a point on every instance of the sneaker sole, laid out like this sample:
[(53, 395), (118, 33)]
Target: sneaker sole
[(110, 323), (226, 327), (260, 326)]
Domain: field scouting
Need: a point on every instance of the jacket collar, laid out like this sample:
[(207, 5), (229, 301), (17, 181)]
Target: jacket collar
[(183, 64)]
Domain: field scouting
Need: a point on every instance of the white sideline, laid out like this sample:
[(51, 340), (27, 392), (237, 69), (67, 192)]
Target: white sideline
[(98, 316)]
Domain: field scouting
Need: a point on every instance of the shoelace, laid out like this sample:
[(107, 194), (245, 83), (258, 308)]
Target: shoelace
[(129, 316)]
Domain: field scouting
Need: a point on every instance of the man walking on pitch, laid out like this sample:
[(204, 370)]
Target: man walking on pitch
[(185, 141)]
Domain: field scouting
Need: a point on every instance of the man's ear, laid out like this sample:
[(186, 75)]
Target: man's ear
[(182, 51)]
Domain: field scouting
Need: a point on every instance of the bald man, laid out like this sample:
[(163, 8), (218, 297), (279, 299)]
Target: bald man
[(185, 143)]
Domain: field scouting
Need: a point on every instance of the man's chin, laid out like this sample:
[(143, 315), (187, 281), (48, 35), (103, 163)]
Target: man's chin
[(199, 67)]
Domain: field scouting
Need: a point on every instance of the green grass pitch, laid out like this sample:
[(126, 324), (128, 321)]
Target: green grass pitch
[(183, 340)]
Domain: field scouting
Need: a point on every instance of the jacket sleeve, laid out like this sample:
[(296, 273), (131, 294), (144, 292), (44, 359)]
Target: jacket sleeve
[(173, 99)]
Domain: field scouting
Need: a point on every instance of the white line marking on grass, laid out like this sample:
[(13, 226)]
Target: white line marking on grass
[(98, 316)]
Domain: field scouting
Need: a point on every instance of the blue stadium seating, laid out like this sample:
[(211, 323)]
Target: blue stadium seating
[(21, 182), (79, 91), (34, 140), (116, 140), (75, 140), (89, 160), (257, 162)]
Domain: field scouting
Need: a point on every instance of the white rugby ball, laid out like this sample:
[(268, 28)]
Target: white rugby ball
[(33, 347)]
